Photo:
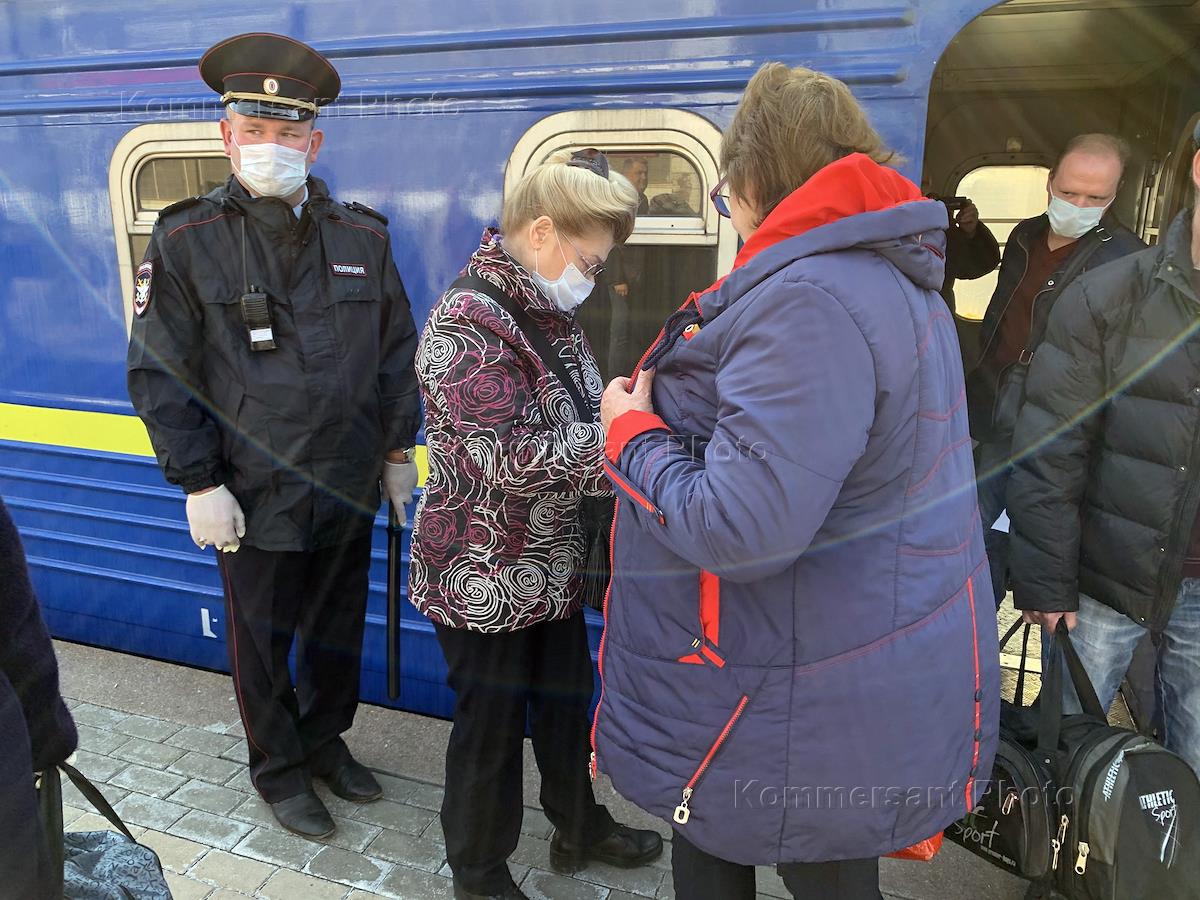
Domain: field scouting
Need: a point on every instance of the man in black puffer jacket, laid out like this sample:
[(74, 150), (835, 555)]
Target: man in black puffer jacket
[(1043, 255), (1105, 495), (36, 731)]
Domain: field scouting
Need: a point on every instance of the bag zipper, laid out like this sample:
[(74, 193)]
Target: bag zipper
[(1099, 767), (683, 812), (1057, 842), (633, 493)]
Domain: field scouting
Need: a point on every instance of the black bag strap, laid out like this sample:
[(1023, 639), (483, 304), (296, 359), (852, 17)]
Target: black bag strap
[(534, 335), (1063, 652), (1084, 688), (51, 812), (94, 797)]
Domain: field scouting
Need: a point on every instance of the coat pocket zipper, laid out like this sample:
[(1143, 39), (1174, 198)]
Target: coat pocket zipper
[(683, 812)]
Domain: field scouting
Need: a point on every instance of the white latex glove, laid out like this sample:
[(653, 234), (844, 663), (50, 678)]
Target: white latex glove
[(399, 482), (215, 518)]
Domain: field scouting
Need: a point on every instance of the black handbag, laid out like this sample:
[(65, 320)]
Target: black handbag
[(595, 513), (96, 865), (1075, 804), (1016, 822)]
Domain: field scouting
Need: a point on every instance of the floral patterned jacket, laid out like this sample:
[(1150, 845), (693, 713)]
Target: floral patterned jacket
[(496, 538)]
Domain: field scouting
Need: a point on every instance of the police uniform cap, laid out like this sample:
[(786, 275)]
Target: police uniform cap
[(270, 76)]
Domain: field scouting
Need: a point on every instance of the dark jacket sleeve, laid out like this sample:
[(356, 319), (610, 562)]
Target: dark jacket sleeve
[(1012, 262), (1057, 429), (27, 656), (614, 269), (971, 257), (165, 378), (399, 399), (796, 402)]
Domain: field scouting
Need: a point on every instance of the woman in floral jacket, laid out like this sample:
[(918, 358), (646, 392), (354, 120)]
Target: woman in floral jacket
[(497, 538)]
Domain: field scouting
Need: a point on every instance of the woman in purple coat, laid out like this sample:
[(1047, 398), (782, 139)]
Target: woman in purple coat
[(800, 665)]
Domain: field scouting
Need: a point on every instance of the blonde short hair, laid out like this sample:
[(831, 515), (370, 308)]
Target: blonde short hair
[(576, 198), (790, 124)]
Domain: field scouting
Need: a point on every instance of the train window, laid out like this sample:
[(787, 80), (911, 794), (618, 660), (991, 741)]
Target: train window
[(163, 180), (679, 243), (151, 168), (1005, 196)]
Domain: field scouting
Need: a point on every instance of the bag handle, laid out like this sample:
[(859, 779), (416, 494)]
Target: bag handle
[(535, 336), (1063, 652), (1084, 689), (94, 797)]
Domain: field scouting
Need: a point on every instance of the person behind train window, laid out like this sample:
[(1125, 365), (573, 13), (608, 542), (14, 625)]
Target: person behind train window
[(1078, 232), (972, 251), (36, 730), (678, 202), (625, 274), (496, 535), (1105, 507), (272, 361), (796, 546)]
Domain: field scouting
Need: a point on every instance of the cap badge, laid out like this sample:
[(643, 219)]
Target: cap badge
[(270, 85)]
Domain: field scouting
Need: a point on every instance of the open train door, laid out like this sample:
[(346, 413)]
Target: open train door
[(1014, 86)]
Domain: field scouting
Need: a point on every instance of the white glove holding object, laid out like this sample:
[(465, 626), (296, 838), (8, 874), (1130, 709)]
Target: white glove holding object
[(399, 482), (215, 518)]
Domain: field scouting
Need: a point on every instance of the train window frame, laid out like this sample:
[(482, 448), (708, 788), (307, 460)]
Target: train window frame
[(138, 147), (681, 132), (1173, 183)]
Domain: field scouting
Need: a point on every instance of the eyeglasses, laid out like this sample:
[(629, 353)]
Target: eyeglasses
[(719, 198), (591, 270)]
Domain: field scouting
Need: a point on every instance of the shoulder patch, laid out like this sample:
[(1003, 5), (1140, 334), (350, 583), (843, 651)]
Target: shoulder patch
[(365, 210), (185, 203), (141, 288)]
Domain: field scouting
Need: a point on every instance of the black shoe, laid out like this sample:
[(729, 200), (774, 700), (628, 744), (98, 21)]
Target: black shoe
[(625, 848), (512, 893), (354, 782), (304, 815)]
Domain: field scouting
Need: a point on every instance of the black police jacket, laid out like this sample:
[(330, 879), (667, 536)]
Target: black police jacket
[(1106, 242), (297, 433), (1105, 488)]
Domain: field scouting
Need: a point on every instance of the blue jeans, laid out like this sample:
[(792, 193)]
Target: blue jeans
[(993, 471), (1106, 639)]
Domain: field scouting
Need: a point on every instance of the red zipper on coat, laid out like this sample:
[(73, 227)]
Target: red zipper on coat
[(593, 767), (633, 494), (682, 811)]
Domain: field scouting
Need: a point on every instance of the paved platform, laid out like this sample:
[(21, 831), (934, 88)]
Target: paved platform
[(166, 747)]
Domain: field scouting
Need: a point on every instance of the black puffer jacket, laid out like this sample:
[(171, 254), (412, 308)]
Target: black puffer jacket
[(1107, 480), (297, 433)]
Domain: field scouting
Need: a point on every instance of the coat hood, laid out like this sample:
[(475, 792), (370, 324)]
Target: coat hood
[(854, 203)]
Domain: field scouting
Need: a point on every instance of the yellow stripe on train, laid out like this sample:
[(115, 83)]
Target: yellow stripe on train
[(108, 432)]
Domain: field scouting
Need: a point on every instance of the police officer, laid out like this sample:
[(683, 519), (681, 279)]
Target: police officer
[(272, 362)]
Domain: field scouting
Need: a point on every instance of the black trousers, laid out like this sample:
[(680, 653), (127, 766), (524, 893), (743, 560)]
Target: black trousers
[(24, 851), (699, 876), (318, 599), (543, 672)]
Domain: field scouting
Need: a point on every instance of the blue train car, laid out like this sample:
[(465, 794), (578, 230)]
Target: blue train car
[(104, 121)]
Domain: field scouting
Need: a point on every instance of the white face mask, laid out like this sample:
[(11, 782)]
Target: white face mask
[(272, 170), (1071, 221), (569, 290)]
